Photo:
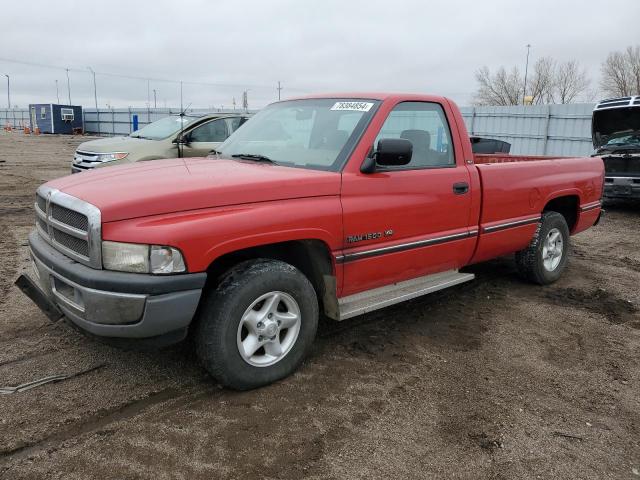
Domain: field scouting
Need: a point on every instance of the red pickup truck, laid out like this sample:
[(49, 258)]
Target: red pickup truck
[(330, 205)]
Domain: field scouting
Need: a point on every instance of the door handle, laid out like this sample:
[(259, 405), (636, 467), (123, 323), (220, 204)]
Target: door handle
[(460, 188)]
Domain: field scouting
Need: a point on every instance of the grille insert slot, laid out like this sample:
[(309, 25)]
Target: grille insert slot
[(42, 203), (74, 244), (70, 217)]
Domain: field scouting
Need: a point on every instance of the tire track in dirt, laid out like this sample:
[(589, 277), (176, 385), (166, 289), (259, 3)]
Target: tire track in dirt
[(615, 310), (9, 252), (100, 421), (625, 262)]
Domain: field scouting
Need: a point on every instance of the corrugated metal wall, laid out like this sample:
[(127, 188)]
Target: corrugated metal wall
[(119, 121), (531, 130), (535, 130)]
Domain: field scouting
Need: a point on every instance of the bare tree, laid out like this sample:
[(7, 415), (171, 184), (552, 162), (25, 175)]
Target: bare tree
[(542, 81), (570, 81), (633, 59), (621, 73), (502, 88), (550, 83)]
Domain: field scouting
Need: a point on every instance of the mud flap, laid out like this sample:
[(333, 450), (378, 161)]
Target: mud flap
[(35, 293)]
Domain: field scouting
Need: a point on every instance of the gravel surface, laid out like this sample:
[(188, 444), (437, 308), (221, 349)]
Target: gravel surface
[(496, 378)]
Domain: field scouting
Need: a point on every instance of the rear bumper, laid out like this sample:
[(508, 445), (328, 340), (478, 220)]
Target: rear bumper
[(622, 187), (113, 304)]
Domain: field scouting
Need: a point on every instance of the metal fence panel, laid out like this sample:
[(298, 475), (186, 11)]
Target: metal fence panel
[(535, 130), (119, 121), (107, 121), (16, 117), (531, 130)]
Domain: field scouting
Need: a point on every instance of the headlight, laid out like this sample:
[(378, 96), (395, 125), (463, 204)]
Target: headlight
[(166, 260), (110, 157), (140, 258)]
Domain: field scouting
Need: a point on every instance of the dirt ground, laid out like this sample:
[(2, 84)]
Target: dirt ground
[(494, 379)]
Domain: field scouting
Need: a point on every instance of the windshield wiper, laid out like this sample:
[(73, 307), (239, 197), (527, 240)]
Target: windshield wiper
[(254, 157)]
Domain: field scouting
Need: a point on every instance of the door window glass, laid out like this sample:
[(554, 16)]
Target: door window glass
[(233, 123), (214, 131), (424, 124)]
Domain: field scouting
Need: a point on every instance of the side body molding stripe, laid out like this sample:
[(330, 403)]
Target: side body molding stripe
[(350, 257), (590, 206), (504, 226)]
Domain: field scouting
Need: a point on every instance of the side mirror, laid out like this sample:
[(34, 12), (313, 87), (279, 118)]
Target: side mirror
[(182, 139), (390, 152), (393, 151)]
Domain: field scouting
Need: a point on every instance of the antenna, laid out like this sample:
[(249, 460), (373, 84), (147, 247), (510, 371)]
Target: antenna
[(182, 112)]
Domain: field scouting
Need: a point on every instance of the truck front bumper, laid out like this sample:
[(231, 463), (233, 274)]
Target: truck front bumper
[(622, 187), (107, 303)]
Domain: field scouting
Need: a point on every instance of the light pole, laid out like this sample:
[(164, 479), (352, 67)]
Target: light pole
[(279, 90), (57, 92), (8, 92), (526, 70), (95, 97), (245, 100), (155, 103), (68, 85)]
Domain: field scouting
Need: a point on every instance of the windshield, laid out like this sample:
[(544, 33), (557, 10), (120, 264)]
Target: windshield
[(163, 128), (309, 133), (631, 139)]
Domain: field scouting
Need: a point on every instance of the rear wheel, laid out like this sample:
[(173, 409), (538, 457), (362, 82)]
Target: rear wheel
[(544, 260), (258, 325)]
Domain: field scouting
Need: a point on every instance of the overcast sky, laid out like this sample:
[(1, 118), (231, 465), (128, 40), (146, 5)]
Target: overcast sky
[(310, 46)]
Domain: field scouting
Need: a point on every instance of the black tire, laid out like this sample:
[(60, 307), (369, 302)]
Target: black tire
[(221, 312), (530, 260)]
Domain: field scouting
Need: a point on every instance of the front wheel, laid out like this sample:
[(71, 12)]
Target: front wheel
[(258, 325), (544, 260)]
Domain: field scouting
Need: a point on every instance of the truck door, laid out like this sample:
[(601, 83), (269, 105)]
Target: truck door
[(206, 137), (408, 221)]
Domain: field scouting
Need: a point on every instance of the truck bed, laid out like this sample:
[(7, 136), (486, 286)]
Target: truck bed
[(480, 158), (516, 189)]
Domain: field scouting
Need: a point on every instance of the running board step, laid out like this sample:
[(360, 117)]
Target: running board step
[(370, 300)]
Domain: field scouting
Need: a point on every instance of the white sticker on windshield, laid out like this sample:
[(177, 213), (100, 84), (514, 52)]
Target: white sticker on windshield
[(355, 106)]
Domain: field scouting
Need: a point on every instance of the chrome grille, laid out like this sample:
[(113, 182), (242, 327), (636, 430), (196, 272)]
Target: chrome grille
[(618, 102), (70, 225), (85, 160)]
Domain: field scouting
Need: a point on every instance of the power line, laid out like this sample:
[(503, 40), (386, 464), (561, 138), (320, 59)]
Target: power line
[(146, 78)]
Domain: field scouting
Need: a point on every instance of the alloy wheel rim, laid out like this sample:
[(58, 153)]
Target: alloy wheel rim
[(552, 250), (268, 329)]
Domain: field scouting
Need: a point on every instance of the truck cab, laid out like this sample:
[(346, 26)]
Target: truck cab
[(615, 131)]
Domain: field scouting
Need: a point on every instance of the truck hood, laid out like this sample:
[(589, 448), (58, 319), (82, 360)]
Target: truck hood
[(616, 123), (114, 144), (177, 185)]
